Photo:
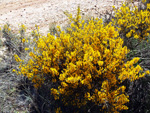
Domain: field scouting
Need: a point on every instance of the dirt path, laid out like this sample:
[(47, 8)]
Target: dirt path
[(43, 12)]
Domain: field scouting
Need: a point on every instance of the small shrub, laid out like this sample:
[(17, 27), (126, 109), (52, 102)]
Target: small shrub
[(14, 42), (132, 23)]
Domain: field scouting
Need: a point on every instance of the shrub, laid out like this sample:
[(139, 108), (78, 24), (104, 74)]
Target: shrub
[(85, 66), (132, 23), (13, 41)]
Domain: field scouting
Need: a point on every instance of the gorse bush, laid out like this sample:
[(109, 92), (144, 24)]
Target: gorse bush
[(85, 66), (14, 42), (132, 23)]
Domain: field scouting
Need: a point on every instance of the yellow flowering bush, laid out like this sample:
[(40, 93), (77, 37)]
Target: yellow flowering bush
[(15, 42), (86, 65), (132, 23), (7, 32)]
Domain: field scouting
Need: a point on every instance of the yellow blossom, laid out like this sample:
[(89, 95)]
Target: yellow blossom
[(23, 40), (26, 49)]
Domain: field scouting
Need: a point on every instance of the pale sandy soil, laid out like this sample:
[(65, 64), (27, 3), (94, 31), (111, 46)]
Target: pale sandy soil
[(44, 12)]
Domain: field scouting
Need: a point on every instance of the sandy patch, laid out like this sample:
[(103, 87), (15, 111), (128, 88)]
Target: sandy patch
[(43, 12)]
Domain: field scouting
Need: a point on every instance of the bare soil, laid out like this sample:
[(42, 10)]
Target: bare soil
[(45, 12)]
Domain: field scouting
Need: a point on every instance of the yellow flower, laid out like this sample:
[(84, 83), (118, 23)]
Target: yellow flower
[(113, 6), (17, 58), (100, 63), (128, 35), (144, 1), (58, 110), (14, 70), (148, 5), (136, 36), (31, 54), (147, 72), (23, 40), (26, 49)]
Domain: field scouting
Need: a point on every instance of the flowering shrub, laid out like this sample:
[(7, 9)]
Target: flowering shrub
[(13, 41), (85, 65), (7, 34), (132, 23)]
